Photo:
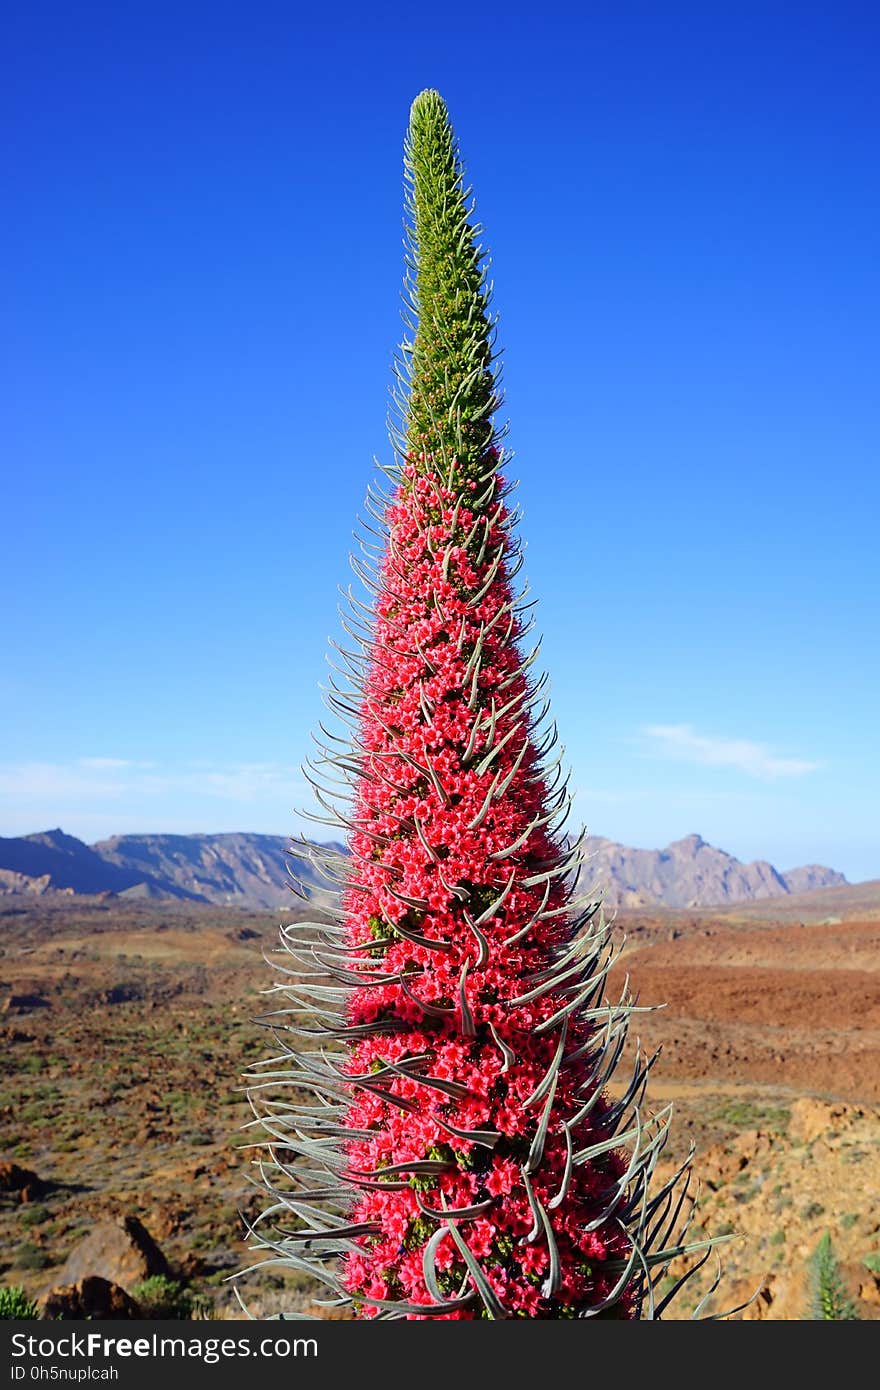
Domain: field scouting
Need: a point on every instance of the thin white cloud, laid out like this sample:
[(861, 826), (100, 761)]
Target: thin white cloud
[(85, 783), (103, 764), (24, 784), (683, 742)]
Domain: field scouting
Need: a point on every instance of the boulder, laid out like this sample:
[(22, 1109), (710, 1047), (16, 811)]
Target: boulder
[(813, 1119), (722, 1162), (14, 1178), (92, 1297), (869, 1287), (121, 1251), (25, 1003)]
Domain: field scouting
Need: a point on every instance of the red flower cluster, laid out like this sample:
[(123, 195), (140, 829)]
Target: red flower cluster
[(470, 1111)]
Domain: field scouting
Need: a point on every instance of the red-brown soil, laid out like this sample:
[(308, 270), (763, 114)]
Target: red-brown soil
[(795, 1006)]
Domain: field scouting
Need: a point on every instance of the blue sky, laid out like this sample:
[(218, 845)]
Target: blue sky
[(203, 256)]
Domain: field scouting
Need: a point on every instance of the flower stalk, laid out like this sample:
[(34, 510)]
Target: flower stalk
[(436, 1117)]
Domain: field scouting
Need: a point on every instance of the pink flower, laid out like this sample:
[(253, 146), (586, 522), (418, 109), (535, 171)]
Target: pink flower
[(427, 826)]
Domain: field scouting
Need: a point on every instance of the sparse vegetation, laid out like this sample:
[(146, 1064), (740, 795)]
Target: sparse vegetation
[(748, 1114), (139, 1158)]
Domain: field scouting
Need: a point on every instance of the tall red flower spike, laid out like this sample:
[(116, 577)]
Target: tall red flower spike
[(443, 1131)]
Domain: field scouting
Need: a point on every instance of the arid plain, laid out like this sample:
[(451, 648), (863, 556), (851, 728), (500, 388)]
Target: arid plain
[(127, 1025)]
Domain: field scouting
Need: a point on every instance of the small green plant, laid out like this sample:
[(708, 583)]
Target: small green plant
[(744, 1189), (829, 1300), (202, 1309), (161, 1297), (812, 1210), (33, 1215), (872, 1262), (15, 1304), (31, 1256)]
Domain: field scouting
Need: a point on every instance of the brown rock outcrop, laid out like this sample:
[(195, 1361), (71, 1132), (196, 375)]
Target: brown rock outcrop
[(92, 1297), (121, 1251), (14, 1178)]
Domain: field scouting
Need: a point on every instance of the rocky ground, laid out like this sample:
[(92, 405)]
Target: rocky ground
[(126, 1027), (770, 1048)]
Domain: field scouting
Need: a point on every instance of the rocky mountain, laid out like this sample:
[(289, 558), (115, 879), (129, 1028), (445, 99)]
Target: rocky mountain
[(691, 873), (235, 869), (52, 861), (252, 870), (811, 877)]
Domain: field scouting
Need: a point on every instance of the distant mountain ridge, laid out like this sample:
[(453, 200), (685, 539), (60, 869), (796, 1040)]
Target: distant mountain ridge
[(691, 873), (251, 870), (243, 870), (248, 870), (52, 861)]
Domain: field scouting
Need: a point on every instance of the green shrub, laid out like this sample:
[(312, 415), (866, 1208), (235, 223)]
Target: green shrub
[(31, 1256), (161, 1297), (33, 1215), (15, 1304)]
